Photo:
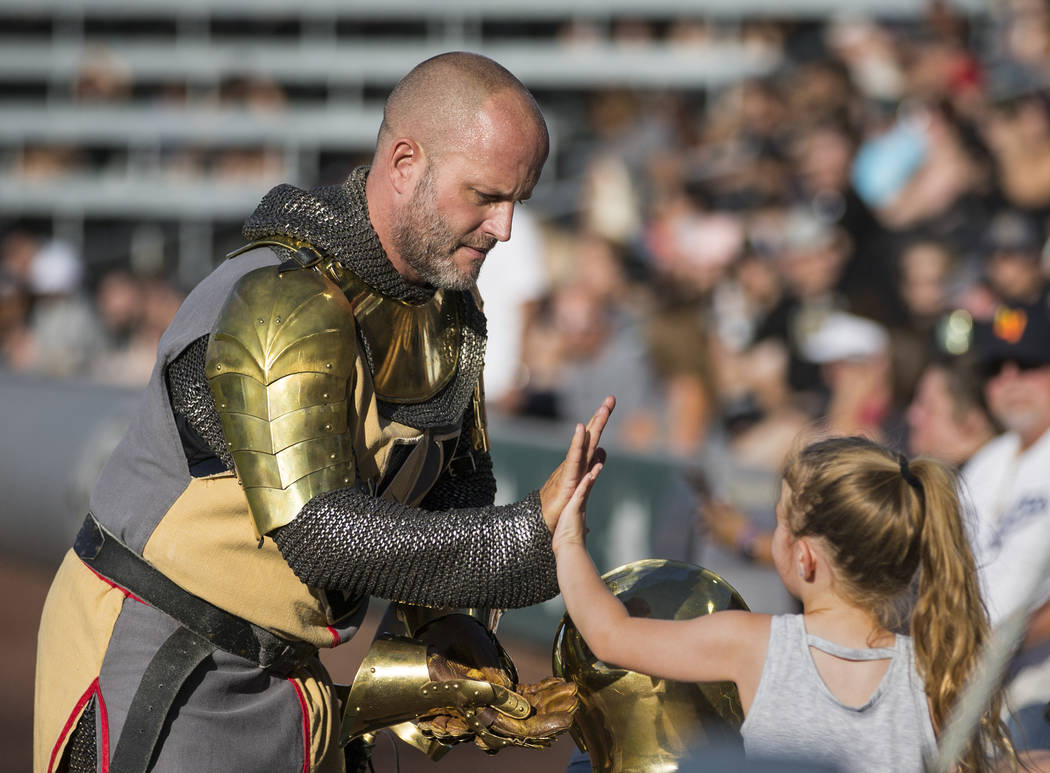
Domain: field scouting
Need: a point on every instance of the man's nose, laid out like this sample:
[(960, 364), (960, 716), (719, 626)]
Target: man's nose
[(499, 223), (1009, 369)]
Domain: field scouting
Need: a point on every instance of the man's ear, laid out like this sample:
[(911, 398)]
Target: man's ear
[(406, 164)]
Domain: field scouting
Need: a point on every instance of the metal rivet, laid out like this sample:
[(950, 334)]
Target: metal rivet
[(328, 427), (261, 321), (324, 396), (328, 365), (372, 669), (218, 366), (277, 321), (332, 456)]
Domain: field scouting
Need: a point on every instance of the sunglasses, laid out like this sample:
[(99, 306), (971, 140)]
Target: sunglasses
[(993, 368)]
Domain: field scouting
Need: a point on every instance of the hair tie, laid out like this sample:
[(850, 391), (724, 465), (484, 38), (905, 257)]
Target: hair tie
[(909, 476)]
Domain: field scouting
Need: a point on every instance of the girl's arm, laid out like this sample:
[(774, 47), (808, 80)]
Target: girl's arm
[(724, 646)]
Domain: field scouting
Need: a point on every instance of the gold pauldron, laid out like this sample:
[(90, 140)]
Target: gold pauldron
[(393, 687), (280, 365), (628, 721)]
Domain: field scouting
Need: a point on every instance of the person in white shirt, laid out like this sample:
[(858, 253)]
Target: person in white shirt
[(1008, 482)]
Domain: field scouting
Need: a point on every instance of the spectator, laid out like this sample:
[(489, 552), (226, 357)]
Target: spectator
[(1014, 246), (63, 335), (926, 270), (853, 354), (811, 259), (947, 417), (1010, 489), (601, 345), (1017, 130)]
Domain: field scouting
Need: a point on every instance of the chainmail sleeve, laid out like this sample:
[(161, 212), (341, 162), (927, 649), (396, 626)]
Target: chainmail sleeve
[(193, 404), (497, 557)]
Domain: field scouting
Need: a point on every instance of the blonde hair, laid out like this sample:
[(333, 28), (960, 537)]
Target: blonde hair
[(885, 519)]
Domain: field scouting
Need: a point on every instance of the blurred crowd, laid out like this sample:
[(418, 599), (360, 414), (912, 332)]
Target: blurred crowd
[(793, 249), (736, 264), (58, 321)]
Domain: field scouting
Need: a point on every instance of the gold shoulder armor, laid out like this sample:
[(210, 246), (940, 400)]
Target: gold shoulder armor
[(280, 365)]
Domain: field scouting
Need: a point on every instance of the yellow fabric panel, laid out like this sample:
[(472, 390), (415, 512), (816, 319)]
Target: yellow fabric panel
[(206, 544), (75, 628), (322, 707)]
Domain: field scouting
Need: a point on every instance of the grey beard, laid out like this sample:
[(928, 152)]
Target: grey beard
[(426, 244), (433, 264)]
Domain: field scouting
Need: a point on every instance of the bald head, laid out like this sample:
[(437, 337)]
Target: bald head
[(462, 142), (438, 104)]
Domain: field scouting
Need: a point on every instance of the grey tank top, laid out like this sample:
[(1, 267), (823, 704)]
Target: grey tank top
[(795, 716)]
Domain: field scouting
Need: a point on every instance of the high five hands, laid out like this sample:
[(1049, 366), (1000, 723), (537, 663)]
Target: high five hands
[(584, 457)]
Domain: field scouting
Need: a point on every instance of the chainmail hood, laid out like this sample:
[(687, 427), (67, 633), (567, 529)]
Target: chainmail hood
[(334, 218)]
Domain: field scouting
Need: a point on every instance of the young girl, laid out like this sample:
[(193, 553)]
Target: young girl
[(855, 523)]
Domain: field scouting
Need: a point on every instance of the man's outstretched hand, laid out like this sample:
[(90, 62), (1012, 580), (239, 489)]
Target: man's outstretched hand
[(583, 454)]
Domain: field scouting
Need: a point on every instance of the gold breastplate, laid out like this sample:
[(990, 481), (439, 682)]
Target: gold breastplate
[(414, 348)]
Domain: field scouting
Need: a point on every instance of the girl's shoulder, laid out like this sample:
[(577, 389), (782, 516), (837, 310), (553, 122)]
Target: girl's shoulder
[(751, 633)]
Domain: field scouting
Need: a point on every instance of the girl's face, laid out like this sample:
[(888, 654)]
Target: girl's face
[(784, 542)]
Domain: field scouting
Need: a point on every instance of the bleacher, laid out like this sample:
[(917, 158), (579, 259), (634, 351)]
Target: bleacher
[(333, 61)]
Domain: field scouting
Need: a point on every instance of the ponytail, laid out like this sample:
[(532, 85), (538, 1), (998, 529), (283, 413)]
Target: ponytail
[(949, 624)]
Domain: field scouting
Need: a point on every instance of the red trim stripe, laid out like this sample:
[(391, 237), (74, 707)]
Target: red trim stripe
[(93, 690), (112, 584), (306, 724), (336, 639), (103, 719)]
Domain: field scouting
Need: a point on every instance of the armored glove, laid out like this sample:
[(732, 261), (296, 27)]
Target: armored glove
[(459, 647)]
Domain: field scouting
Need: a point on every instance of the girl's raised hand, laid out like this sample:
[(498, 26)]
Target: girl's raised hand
[(572, 526)]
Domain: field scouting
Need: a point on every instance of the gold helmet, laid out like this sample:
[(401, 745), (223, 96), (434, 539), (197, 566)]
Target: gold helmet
[(632, 723)]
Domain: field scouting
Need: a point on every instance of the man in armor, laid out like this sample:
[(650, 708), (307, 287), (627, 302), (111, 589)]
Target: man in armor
[(314, 434)]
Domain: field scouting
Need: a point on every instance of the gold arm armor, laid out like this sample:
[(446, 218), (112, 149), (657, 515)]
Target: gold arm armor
[(280, 365)]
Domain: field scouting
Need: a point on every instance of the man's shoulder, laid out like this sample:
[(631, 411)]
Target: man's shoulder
[(991, 454)]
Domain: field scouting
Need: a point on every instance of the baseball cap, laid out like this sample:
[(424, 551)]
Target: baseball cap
[(1012, 231), (1019, 334), (842, 336)]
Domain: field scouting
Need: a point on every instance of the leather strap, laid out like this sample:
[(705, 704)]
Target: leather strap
[(170, 667), (109, 557)]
